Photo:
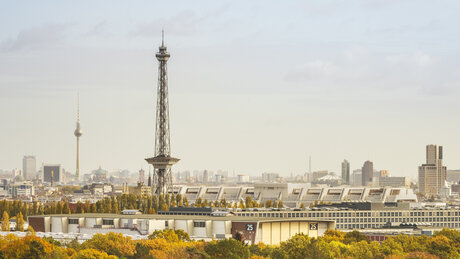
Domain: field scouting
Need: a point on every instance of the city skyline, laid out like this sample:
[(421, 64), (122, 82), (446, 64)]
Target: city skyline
[(258, 111)]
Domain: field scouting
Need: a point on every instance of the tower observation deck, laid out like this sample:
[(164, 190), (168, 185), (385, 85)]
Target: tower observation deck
[(162, 160)]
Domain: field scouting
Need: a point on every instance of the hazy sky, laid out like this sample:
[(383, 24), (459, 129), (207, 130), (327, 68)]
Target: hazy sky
[(255, 86)]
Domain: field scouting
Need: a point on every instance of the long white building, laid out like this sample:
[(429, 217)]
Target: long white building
[(212, 225), (294, 195)]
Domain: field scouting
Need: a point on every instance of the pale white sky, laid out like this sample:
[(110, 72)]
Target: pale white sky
[(254, 86)]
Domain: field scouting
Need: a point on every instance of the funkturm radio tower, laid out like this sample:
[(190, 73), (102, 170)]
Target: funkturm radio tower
[(162, 161), (78, 134)]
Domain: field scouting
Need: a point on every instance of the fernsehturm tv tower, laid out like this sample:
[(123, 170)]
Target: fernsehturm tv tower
[(78, 134), (162, 161)]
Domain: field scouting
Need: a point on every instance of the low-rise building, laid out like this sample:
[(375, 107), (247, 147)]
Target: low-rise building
[(392, 181), (268, 230)]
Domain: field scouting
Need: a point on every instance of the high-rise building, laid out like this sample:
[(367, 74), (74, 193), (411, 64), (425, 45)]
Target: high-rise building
[(432, 175), (162, 160), (205, 176), (367, 173), (357, 178), (29, 167), (346, 171), (52, 173)]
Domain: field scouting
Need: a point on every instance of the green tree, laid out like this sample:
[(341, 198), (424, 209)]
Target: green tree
[(79, 208), (354, 236), (5, 221), (227, 248), (170, 235)]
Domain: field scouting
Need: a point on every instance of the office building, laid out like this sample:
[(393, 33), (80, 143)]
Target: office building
[(453, 176), (29, 167), (243, 178), (392, 181), (356, 179), (270, 177), (432, 174), (346, 172), (367, 173), (52, 174), (20, 189)]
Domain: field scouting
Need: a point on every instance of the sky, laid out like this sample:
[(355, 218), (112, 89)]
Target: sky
[(254, 86)]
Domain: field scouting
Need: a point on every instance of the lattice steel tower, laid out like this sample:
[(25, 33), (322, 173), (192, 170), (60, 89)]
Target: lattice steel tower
[(162, 161)]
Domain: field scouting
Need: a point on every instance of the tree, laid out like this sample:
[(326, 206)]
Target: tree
[(185, 202), (268, 204), (248, 202), (142, 252), (66, 208), (92, 254), (5, 221), (227, 248), (112, 243), (80, 208), (299, 246), (19, 222), (354, 236), (280, 204), (170, 235)]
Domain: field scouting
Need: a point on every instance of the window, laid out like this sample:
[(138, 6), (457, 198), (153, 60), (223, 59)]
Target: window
[(72, 221), (199, 224), (107, 222)]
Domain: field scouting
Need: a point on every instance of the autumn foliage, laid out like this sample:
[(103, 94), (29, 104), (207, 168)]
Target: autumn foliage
[(177, 244)]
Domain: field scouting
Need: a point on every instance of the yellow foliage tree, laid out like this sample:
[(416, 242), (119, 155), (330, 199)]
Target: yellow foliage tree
[(92, 254), (5, 221)]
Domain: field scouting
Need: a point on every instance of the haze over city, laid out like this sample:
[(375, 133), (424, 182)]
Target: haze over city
[(254, 87)]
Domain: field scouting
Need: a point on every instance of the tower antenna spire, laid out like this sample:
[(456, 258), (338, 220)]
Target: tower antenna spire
[(162, 38), (78, 132), (78, 106)]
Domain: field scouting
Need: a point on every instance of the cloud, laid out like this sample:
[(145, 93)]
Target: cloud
[(40, 37), (358, 69), (98, 30), (183, 23)]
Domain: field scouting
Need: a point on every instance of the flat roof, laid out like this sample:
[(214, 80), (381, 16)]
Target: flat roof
[(181, 217)]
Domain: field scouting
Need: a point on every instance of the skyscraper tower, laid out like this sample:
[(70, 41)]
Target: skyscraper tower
[(367, 173), (162, 161), (432, 175), (346, 171), (78, 134)]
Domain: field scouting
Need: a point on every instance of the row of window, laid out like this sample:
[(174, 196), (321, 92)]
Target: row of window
[(364, 226), (349, 214)]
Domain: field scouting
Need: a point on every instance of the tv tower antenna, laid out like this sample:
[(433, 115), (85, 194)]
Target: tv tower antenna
[(162, 161), (78, 132)]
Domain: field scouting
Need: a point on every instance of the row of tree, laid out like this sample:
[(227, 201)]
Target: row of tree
[(6, 222), (177, 244), (115, 204)]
